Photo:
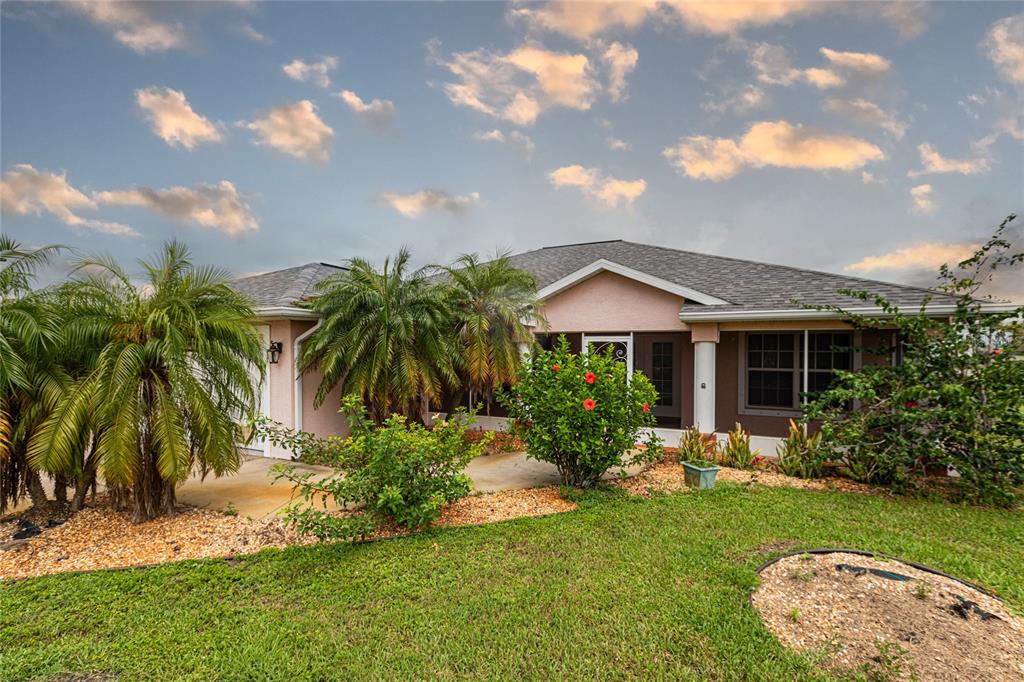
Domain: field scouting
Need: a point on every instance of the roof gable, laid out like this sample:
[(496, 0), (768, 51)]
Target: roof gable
[(285, 288), (604, 265)]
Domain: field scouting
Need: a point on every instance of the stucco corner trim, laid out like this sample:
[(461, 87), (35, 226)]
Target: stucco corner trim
[(604, 265)]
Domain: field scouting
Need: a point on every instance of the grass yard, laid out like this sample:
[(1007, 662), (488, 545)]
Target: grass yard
[(623, 587)]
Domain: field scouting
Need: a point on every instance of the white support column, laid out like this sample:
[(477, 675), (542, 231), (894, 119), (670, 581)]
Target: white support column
[(807, 366), (704, 385)]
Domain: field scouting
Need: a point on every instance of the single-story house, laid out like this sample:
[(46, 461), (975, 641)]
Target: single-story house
[(723, 340)]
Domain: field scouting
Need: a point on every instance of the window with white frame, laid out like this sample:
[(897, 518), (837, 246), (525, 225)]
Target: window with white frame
[(774, 366)]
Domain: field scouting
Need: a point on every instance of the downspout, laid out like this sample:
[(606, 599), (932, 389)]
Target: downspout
[(296, 350)]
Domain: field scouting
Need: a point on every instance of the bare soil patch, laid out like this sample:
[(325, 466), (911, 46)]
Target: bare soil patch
[(920, 627)]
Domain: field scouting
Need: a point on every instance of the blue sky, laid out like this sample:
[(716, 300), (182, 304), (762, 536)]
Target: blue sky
[(867, 138)]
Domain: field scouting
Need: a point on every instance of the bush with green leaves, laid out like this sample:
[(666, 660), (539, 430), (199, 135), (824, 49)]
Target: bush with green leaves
[(736, 451), (696, 447), (800, 453), (955, 399), (399, 472), (581, 413)]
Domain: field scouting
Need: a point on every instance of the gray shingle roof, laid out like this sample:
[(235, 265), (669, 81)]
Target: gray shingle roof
[(746, 285), (282, 288)]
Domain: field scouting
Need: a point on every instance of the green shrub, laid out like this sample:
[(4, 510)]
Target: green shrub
[(736, 452), (800, 454), (398, 472), (955, 399), (579, 412), (695, 446)]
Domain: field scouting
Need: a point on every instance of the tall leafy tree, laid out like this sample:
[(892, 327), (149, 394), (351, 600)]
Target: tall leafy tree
[(386, 337), (492, 304), (29, 380), (169, 383)]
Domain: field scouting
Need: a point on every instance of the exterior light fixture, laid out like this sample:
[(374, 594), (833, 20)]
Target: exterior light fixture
[(275, 351)]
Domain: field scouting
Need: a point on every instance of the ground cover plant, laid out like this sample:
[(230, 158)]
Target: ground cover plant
[(579, 412), (623, 587)]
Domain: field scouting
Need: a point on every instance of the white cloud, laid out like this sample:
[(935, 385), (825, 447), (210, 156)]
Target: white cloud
[(26, 190), (294, 129), (933, 162), (748, 98), (416, 204), (379, 113), (999, 109), (586, 20), (520, 85), (621, 60), (133, 24), (592, 182), (218, 206), (918, 256), (867, 113), (772, 65), (770, 143), (617, 145), (246, 29), (864, 62), (1004, 44), (515, 139), (924, 199), (869, 178), (317, 73), (173, 119)]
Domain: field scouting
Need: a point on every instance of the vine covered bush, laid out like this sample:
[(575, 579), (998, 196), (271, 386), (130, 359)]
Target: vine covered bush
[(399, 472), (579, 412), (956, 398)]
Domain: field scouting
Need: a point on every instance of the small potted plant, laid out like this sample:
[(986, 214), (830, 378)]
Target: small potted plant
[(695, 451), (700, 474)]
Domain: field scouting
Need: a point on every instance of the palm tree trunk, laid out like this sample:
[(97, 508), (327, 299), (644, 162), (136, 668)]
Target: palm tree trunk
[(35, 489), (84, 483), (60, 488), (425, 409)]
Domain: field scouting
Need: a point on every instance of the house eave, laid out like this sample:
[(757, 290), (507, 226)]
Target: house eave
[(605, 265), (796, 314), (284, 312)]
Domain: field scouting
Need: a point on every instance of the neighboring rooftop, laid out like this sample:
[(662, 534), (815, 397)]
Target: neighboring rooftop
[(744, 284), (284, 288)]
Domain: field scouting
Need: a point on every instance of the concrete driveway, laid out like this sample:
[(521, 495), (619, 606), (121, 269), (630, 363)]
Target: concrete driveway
[(253, 493)]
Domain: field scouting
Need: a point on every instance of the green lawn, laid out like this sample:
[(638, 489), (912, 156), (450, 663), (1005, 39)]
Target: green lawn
[(624, 587)]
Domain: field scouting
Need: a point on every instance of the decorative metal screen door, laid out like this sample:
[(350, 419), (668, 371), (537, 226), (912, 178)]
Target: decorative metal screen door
[(622, 348)]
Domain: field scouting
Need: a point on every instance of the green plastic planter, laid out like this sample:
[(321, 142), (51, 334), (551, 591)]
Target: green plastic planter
[(699, 477)]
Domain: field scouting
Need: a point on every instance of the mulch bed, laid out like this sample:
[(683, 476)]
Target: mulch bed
[(851, 618), (668, 477)]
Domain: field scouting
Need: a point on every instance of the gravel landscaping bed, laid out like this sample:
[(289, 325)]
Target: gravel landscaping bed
[(101, 538), (928, 627)]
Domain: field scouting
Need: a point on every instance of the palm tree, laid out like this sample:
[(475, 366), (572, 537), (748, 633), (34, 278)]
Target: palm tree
[(169, 382), (29, 380), (492, 304), (385, 337)]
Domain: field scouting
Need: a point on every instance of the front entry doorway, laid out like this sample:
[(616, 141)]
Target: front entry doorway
[(657, 356)]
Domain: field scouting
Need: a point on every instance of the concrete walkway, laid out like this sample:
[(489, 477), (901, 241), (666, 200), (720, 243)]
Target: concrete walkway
[(252, 491)]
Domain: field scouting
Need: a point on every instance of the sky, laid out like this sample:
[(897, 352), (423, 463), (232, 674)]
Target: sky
[(872, 139)]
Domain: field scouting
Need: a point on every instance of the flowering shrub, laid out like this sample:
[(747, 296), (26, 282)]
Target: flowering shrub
[(952, 401), (736, 452), (398, 472), (580, 413)]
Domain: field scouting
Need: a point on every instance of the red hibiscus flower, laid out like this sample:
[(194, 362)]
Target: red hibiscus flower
[(554, 368), (647, 407), (589, 404), (911, 404), (590, 377)]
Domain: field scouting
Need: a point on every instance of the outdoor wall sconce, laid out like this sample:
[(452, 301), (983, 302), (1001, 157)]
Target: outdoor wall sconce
[(275, 351)]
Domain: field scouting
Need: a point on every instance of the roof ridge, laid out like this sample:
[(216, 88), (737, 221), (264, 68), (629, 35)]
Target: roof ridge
[(789, 267)]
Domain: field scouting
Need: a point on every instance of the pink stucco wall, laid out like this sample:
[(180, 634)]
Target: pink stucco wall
[(325, 420), (608, 302)]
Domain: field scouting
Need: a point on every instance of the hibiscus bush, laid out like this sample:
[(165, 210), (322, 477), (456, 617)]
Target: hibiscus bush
[(955, 399), (399, 472), (580, 413)]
